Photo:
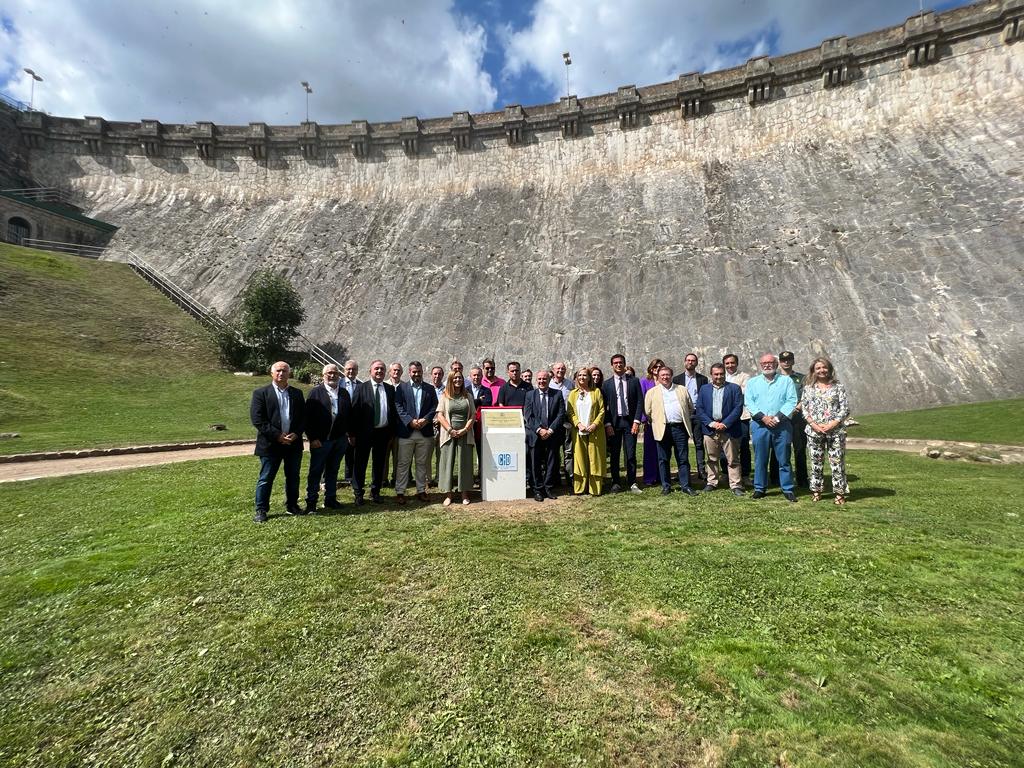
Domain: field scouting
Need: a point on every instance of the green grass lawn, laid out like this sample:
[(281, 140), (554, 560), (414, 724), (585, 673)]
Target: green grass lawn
[(147, 621), (997, 421), (91, 355)]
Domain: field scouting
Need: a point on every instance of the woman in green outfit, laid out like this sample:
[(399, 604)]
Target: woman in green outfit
[(585, 409), (455, 414)]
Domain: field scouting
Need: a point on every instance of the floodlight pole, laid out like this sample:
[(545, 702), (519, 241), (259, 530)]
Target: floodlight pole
[(308, 90), (34, 77), (568, 60)]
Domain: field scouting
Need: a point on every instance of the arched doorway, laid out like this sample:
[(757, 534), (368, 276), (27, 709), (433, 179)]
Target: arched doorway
[(17, 230)]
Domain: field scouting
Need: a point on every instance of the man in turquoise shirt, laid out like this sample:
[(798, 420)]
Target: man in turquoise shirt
[(770, 399)]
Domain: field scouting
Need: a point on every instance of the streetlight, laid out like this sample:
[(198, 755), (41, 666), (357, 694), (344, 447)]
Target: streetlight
[(568, 60), (305, 86), (35, 78)]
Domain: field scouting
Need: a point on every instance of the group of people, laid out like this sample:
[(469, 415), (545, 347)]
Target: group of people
[(578, 426)]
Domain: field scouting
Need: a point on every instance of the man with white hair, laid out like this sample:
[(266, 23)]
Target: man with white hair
[(327, 413), (770, 398), (278, 413)]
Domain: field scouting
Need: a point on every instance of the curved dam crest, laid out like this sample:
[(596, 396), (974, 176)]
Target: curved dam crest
[(880, 223)]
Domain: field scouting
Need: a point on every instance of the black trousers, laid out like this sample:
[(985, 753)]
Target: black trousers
[(375, 445), (622, 437), (546, 457)]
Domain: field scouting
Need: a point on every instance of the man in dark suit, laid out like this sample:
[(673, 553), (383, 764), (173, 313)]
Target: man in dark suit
[(719, 407), (623, 409), (350, 381), (327, 414), (693, 380), (481, 397), (370, 430), (416, 404), (278, 413), (513, 393), (544, 413)]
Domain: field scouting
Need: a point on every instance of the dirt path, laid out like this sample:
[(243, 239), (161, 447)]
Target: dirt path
[(31, 470)]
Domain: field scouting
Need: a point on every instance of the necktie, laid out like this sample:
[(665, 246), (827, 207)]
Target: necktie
[(544, 406), (622, 400), (376, 406)]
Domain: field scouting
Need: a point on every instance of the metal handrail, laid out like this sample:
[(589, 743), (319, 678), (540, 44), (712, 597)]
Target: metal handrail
[(183, 299), (10, 101), (75, 249), (208, 316), (42, 194)]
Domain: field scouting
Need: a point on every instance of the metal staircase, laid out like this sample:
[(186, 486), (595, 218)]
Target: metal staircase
[(203, 314)]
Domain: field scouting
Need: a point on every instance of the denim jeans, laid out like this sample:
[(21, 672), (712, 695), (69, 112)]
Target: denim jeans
[(268, 471), (777, 440), (678, 439), (325, 462)]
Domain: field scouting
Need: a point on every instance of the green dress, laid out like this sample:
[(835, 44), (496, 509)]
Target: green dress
[(456, 473)]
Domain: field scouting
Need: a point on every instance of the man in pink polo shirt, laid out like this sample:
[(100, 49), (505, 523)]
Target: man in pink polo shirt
[(490, 380)]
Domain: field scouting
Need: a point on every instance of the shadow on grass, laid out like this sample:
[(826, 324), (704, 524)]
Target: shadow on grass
[(871, 493)]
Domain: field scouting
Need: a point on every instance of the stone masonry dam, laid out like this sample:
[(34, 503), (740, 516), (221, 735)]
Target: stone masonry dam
[(863, 199)]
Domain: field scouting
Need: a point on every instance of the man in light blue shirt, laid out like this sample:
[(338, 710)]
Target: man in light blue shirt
[(770, 399)]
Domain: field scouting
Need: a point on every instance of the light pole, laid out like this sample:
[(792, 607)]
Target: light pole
[(35, 78), (308, 90), (568, 60)]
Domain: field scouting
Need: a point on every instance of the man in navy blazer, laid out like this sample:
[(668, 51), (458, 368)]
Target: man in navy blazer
[(327, 413), (416, 404), (623, 411), (278, 413), (370, 430), (719, 407), (544, 413), (482, 397)]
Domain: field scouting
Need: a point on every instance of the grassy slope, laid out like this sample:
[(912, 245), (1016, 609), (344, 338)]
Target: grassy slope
[(90, 355), (993, 422), (146, 617)]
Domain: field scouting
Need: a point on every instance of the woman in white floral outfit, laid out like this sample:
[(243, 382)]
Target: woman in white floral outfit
[(826, 407)]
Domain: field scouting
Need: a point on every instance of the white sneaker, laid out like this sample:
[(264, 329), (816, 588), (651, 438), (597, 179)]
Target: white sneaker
[(634, 488)]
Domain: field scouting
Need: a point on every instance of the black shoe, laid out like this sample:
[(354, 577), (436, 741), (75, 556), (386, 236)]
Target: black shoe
[(689, 491), (331, 504), (260, 516), (310, 507), (666, 491), (790, 496), (757, 495), (295, 509), (358, 501), (737, 492), (710, 488), (375, 498), (538, 497), (550, 495)]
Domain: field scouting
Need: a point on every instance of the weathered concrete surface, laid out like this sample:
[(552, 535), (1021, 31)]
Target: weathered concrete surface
[(880, 223)]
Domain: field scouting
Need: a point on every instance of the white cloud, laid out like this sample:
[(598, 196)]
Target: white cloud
[(651, 41), (236, 61)]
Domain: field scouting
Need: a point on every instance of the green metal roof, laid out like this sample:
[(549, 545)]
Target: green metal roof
[(60, 210)]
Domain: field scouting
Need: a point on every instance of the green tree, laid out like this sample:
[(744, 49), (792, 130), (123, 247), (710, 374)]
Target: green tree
[(271, 314)]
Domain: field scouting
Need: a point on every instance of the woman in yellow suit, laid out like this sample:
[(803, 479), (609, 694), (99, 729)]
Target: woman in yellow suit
[(585, 409)]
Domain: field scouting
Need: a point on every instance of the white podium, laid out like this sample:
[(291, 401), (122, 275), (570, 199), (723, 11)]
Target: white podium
[(503, 454)]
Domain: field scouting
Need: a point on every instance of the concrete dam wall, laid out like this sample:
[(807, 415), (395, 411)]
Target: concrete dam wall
[(864, 200)]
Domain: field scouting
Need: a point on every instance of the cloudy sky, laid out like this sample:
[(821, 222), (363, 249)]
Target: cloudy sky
[(236, 61)]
